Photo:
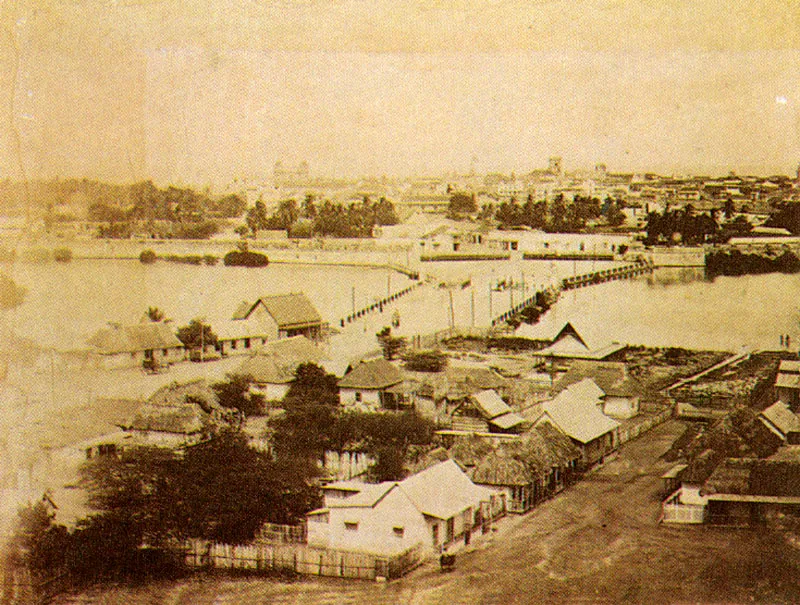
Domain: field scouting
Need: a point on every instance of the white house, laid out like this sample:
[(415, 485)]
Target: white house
[(432, 509), (268, 318), (568, 343), (620, 392)]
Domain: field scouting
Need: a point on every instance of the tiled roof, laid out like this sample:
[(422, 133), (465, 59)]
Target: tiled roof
[(134, 338), (375, 374), (790, 366)]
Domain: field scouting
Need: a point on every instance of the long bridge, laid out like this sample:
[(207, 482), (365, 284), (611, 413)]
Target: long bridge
[(640, 267)]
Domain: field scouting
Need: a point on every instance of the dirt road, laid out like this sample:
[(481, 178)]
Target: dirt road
[(598, 542)]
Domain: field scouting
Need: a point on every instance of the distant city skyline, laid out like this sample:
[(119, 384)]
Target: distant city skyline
[(124, 92)]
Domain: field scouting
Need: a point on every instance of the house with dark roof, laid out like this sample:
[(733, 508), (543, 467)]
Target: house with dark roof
[(431, 509), (273, 366), (375, 385), (266, 319), (119, 346)]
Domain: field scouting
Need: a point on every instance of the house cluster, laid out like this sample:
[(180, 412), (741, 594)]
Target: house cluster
[(745, 469), (252, 325)]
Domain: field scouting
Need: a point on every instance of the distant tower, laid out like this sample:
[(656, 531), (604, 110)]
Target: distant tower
[(554, 165)]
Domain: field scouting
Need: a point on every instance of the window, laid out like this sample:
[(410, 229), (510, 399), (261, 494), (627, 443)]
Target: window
[(165, 352), (246, 343), (435, 534), (351, 526), (233, 344), (358, 395), (450, 532), (398, 531)]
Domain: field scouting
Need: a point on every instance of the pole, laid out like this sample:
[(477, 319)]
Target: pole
[(202, 341), (472, 300), (490, 303), (452, 314)]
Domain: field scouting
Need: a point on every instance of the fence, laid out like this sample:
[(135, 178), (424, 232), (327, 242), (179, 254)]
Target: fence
[(674, 511), (627, 434), (272, 533), (301, 559)]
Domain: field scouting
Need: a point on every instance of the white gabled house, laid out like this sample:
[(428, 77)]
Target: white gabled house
[(431, 509)]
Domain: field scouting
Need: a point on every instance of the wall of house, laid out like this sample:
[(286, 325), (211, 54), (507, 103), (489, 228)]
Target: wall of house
[(136, 359), (375, 530), (272, 392), (261, 323), (370, 399), (620, 407)]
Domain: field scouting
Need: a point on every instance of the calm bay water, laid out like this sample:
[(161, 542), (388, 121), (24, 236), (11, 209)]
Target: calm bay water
[(67, 302)]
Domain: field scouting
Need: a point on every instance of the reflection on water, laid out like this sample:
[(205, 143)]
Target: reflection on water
[(669, 276)]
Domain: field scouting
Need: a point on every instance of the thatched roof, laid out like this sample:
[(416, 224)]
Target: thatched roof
[(133, 339), (375, 374), (277, 361), (611, 377), (498, 468), (175, 393), (183, 419)]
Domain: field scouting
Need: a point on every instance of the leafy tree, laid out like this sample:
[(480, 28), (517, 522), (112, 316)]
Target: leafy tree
[(311, 405), (234, 393), (729, 209), (558, 214), (385, 213), (309, 209), (256, 218), (196, 334), (615, 216), (461, 204), (392, 345), (230, 206)]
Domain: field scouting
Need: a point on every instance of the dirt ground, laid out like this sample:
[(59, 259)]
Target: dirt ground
[(598, 542)]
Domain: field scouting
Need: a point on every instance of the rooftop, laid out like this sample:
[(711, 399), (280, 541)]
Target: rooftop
[(375, 374), (134, 338)]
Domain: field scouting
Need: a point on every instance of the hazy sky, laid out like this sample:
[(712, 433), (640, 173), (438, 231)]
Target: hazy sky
[(206, 91)]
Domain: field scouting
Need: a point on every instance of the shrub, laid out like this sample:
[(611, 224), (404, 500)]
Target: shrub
[(237, 258), (210, 259), (426, 361), (62, 255), (148, 257)]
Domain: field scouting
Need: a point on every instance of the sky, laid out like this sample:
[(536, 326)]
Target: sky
[(205, 91)]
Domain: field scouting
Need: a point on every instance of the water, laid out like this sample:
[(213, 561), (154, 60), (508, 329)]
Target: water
[(68, 302)]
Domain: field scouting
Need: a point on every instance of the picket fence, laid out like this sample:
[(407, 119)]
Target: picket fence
[(301, 559)]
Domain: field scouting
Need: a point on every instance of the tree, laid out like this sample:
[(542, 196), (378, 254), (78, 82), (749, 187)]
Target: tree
[(311, 405), (615, 216), (309, 209), (196, 334), (256, 218), (234, 393), (461, 204), (230, 206), (392, 345)]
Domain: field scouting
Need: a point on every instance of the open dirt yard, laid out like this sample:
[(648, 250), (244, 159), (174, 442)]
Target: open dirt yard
[(598, 542)]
